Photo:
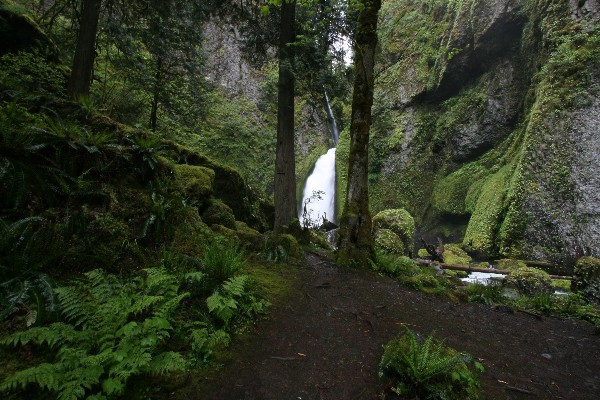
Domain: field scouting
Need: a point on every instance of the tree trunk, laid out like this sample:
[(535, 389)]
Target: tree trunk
[(355, 245), (285, 163), (83, 61), (156, 94)]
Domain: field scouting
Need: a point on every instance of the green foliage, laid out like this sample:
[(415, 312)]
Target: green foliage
[(29, 74), (234, 299), (530, 281), (491, 293), (429, 370), (587, 278), (112, 332), (394, 265), (221, 261)]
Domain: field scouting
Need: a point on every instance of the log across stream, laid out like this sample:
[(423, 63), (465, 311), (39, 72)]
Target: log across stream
[(468, 268)]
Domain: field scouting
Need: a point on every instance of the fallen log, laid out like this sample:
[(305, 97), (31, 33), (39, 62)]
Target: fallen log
[(468, 268)]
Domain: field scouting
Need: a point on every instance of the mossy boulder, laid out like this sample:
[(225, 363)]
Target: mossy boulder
[(398, 221), (286, 242), (228, 233), (509, 264), (20, 33), (388, 242), (190, 232), (219, 213), (423, 253), (587, 278), (229, 186), (105, 241), (529, 281), (454, 254), (194, 183), (249, 237)]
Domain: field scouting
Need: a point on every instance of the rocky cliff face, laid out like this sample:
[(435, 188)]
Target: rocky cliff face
[(229, 68), (486, 124)]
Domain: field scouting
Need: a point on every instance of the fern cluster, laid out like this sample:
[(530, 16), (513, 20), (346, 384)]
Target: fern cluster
[(112, 332), (429, 369)]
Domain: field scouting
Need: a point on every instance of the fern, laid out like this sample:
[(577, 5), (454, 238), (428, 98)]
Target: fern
[(428, 369), (103, 343)]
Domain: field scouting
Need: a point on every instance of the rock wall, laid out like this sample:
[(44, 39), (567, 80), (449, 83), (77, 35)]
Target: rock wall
[(229, 68), (486, 124)]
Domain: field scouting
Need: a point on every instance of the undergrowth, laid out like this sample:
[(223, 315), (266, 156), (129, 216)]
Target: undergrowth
[(427, 369)]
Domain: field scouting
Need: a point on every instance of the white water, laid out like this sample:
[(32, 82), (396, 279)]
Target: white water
[(321, 179), (318, 196), (481, 277)]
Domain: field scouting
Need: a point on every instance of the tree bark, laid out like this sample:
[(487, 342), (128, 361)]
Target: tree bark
[(285, 163), (355, 245), (158, 82), (83, 60)]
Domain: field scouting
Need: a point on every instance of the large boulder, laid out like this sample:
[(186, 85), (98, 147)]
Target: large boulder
[(394, 225), (587, 279), (21, 33), (529, 281)]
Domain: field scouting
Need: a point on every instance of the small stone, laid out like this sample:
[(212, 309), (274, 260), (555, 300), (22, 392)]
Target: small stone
[(547, 356)]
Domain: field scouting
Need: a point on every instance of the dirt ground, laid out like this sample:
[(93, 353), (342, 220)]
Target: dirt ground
[(325, 342)]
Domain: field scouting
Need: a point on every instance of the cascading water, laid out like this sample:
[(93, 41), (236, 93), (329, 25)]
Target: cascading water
[(318, 196)]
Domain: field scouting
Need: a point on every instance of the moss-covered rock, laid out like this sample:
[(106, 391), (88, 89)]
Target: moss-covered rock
[(399, 222), (510, 264), (286, 242), (106, 238), (529, 281), (20, 33), (480, 237), (423, 253), (194, 183), (252, 238), (387, 241), (228, 233), (454, 254), (219, 213), (587, 278), (190, 232)]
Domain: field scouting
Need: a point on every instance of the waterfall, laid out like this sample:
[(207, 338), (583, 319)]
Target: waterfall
[(318, 196), (335, 132)]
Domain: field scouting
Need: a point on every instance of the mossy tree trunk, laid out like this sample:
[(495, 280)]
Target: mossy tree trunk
[(355, 245), (83, 61), (285, 163)]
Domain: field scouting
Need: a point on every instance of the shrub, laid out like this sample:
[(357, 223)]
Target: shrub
[(429, 370), (113, 332), (394, 265), (529, 281), (222, 260), (587, 278)]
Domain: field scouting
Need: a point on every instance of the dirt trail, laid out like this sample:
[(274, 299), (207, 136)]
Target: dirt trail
[(326, 342)]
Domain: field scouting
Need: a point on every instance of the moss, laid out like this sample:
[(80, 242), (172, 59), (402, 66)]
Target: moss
[(219, 213), (529, 281), (450, 193), (398, 221), (105, 240), (190, 232), (453, 254), (194, 183), (509, 264), (388, 242), (287, 242), (587, 278), (480, 236), (229, 234), (252, 238), (422, 253)]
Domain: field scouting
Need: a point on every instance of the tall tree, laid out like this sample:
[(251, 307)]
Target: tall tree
[(285, 160), (355, 244), (83, 61)]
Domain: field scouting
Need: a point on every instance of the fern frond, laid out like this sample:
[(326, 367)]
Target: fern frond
[(236, 285), (44, 375), (165, 310), (167, 362)]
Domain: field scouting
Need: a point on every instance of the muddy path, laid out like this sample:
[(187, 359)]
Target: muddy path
[(326, 340)]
